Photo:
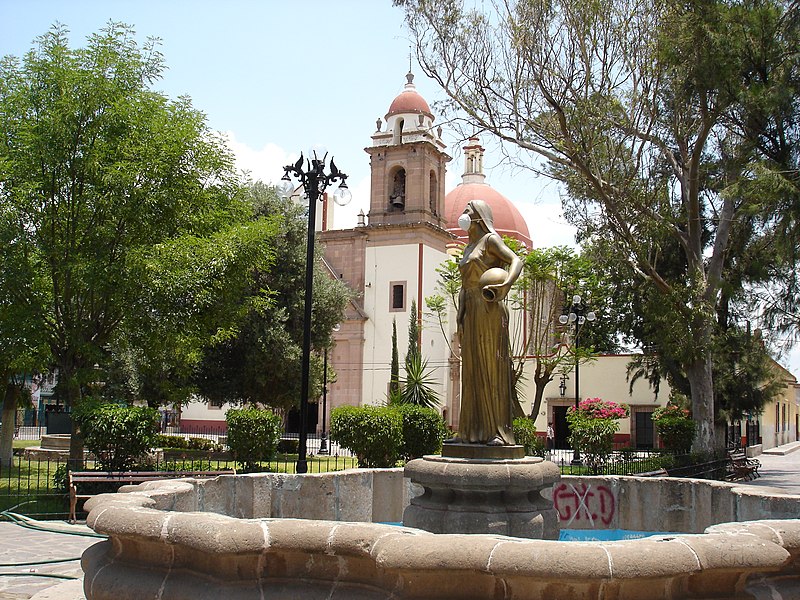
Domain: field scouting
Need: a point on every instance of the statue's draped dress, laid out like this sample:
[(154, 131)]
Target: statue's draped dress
[(486, 399)]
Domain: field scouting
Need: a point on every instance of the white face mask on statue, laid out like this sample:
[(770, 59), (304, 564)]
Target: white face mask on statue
[(464, 222)]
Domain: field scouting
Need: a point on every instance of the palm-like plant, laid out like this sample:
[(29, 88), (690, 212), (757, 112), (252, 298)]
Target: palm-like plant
[(418, 384)]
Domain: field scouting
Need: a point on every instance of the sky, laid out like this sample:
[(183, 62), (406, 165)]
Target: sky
[(280, 76)]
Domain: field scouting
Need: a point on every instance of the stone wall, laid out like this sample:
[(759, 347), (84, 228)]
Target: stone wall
[(381, 496)]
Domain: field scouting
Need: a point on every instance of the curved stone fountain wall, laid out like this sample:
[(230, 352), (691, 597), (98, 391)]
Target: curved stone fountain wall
[(239, 537)]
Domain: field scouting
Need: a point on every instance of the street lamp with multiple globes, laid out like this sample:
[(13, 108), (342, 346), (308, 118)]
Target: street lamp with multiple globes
[(579, 316), (313, 179)]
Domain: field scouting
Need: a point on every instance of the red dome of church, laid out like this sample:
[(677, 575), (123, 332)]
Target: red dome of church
[(409, 101), (507, 219)]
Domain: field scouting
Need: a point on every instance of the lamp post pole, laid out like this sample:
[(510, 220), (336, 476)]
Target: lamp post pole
[(311, 174), (323, 440), (577, 315)]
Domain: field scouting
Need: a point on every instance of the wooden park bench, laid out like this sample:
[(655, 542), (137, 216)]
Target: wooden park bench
[(656, 473), (126, 477), (741, 468)]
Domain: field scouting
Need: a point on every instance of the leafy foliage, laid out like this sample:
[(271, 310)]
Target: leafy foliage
[(253, 435), (101, 177), (119, 436), (592, 427), (672, 126), (374, 434), (675, 427), (270, 330), (525, 435), (424, 430)]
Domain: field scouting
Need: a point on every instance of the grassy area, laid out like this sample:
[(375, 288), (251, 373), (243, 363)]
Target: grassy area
[(26, 443), (28, 487)]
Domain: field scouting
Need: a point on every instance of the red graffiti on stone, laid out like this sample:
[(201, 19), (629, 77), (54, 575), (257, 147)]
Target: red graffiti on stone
[(583, 501)]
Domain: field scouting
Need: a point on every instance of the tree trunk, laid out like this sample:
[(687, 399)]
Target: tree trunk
[(701, 384), (7, 430), (541, 377), (76, 439)]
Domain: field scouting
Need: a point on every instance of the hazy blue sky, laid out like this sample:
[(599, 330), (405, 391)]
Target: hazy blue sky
[(278, 76)]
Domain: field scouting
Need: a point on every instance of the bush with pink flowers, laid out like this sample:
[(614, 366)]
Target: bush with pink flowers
[(592, 427)]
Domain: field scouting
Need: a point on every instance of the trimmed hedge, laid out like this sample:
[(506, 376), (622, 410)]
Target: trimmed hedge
[(373, 434), (253, 435), (423, 431), (525, 435), (380, 435)]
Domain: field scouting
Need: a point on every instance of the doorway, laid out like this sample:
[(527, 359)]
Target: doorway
[(643, 433), (561, 427)]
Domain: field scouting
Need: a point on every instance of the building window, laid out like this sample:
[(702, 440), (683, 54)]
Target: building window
[(397, 296), (777, 417)]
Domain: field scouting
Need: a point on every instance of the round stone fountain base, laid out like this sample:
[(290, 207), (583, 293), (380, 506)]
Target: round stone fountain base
[(501, 497)]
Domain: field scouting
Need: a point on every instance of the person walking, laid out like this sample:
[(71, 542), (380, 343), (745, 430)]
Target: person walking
[(551, 438)]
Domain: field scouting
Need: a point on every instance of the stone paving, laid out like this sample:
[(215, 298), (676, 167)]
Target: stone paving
[(21, 545), (779, 470)]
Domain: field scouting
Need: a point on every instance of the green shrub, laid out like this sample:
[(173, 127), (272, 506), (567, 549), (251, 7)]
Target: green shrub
[(198, 443), (592, 427), (171, 441), (374, 434), (525, 435), (423, 431), (60, 479), (253, 435), (676, 429), (289, 446), (119, 436)]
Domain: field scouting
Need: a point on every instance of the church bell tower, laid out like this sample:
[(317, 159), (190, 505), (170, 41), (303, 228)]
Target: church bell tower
[(408, 164)]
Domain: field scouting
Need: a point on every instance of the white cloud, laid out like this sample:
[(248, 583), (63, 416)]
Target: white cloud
[(265, 164)]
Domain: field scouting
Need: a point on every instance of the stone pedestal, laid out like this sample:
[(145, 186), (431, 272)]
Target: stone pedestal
[(483, 495)]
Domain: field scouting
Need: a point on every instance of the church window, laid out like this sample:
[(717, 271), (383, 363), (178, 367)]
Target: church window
[(397, 296)]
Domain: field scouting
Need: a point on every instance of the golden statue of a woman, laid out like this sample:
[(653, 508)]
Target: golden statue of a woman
[(488, 406)]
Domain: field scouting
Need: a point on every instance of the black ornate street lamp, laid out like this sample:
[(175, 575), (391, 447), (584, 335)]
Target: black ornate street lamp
[(314, 181), (579, 316)]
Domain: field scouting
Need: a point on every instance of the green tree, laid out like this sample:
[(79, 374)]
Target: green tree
[(394, 379), (261, 362), (550, 277), (413, 334), (97, 170), (646, 113)]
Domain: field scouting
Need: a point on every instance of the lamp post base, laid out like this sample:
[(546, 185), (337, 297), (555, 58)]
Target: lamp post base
[(323, 444)]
